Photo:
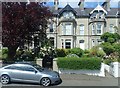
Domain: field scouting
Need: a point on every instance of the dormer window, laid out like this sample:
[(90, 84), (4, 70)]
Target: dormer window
[(68, 15)]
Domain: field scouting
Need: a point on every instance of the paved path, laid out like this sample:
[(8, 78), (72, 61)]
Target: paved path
[(85, 80)]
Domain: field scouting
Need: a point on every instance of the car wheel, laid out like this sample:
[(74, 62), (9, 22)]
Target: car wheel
[(4, 79), (45, 81)]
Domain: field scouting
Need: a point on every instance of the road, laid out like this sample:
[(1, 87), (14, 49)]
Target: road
[(78, 80)]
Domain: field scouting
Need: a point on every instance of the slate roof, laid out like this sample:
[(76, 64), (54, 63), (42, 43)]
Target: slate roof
[(68, 8), (86, 12)]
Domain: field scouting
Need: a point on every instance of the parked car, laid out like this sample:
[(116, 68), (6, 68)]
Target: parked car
[(30, 73)]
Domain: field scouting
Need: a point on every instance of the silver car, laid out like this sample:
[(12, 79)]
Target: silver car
[(28, 72)]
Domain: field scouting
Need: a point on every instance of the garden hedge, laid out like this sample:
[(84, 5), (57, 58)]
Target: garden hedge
[(79, 63)]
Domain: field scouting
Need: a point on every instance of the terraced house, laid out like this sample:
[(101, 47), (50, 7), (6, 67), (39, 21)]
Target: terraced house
[(81, 27)]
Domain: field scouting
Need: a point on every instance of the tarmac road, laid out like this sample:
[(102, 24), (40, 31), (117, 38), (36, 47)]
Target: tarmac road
[(78, 80)]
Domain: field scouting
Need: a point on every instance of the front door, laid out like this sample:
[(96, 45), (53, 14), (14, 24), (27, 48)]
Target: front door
[(82, 45)]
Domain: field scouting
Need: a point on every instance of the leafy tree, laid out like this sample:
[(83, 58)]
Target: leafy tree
[(108, 48), (117, 48), (110, 37), (20, 19)]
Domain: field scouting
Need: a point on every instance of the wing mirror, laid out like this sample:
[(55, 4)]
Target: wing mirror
[(35, 71)]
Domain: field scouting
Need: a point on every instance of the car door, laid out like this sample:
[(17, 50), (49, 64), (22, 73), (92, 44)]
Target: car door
[(30, 74), (25, 73)]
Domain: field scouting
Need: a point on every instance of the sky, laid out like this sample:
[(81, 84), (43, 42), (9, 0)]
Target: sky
[(88, 3)]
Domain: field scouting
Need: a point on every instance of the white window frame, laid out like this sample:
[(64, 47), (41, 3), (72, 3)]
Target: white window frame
[(67, 29), (100, 29), (82, 31), (111, 29), (93, 29)]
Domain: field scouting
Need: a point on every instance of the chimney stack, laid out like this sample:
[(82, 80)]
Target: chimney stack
[(81, 4), (56, 4), (106, 5)]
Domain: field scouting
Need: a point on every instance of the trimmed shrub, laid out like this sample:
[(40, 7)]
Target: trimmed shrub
[(79, 63), (61, 52), (72, 55), (76, 51)]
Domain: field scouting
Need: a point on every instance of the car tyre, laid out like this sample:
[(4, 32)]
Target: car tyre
[(5, 79), (45, 81)]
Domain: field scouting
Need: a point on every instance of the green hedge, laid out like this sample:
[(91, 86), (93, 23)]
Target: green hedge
[(79, 63)]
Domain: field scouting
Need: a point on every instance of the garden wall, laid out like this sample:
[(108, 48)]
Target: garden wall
[(100, 72), (113, 69)]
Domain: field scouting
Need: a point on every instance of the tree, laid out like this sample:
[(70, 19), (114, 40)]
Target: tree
[(20, 19), (108, 48), (110, 37)]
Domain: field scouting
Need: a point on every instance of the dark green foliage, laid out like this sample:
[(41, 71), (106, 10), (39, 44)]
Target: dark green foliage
[(61, 52), (26, 56), (79, 63), (110, 37), (76, 51), (117, 48), (108, 48)]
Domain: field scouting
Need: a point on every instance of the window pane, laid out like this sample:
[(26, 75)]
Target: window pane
[(93, 29), (68, 29), (51, 27), (111, 29), (27, 68), (99, 26), (81, 29), (67, 44)]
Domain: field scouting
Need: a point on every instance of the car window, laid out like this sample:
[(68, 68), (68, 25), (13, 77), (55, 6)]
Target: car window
[(22, 68), (28, 68), (10, 67)]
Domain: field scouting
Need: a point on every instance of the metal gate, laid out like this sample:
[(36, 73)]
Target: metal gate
[(47, 62)]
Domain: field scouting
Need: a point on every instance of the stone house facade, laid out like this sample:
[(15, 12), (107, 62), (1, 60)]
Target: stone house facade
[(81, 27)]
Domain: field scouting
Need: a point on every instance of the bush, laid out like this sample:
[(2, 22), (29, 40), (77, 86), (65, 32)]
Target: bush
[(109, 61), (27, 56), (93, 51), (100, 53), (72, 55), (61, 52), (108, 48), (79, 63), (4, 53), (76, 51), (96, 51), (117, 48)]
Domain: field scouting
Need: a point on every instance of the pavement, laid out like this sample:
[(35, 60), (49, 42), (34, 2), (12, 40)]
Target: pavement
[(86, 80)]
